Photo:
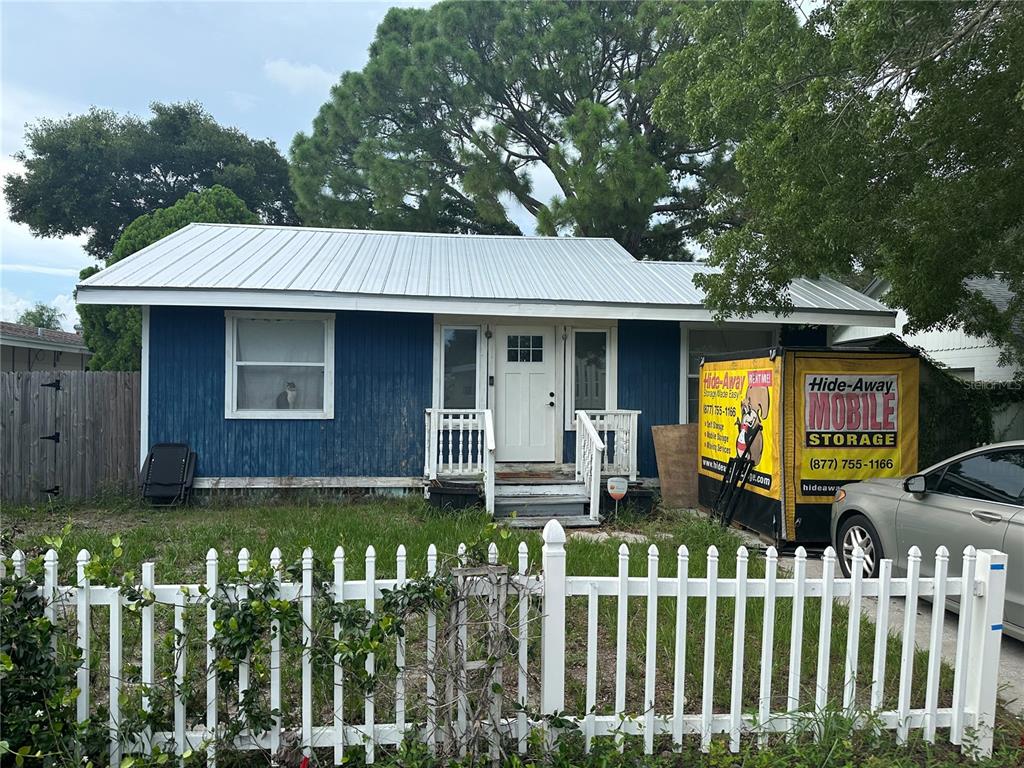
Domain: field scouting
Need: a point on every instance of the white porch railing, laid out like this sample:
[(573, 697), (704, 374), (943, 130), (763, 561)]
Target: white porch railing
[(590, 449), (460, 444), (620, 450)]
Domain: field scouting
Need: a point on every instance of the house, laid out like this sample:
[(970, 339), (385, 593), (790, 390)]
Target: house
[(971, 358), (24, 348), (317, 357)]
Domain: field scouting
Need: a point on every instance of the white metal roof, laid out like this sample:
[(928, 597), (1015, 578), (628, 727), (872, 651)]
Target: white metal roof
[(267, 266)]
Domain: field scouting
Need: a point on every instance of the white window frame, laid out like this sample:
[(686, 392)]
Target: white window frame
[(611, 370), (231, 410), (481, 362)]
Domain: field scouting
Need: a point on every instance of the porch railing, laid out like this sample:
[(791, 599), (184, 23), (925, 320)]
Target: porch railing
[(590, 449), (618, 433), (460, 444)]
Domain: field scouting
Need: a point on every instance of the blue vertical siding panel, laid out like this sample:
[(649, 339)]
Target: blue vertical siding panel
[(649, 381), (382, 384)]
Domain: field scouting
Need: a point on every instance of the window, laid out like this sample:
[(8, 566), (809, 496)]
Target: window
[(279, 365), (704, 342), (525, 349), (995, 476), (459, 365), (590, 370)]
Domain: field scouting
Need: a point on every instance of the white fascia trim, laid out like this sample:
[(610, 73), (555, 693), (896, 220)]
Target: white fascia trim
[(291, 300), (46, 346)]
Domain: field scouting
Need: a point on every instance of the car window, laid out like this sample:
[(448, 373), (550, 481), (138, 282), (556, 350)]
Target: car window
[(995, 476)]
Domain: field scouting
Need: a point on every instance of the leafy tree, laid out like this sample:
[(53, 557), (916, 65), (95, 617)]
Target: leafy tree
[(884, 138), (114, 333), (42, 316), (96, 173), (462, 105)]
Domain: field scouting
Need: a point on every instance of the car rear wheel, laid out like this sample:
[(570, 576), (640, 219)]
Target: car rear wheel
[(857, 531)]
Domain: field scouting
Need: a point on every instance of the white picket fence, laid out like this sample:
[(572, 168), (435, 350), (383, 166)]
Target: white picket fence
[(969, 719)]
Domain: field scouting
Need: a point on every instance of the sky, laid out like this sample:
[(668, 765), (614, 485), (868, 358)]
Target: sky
[(265, 68)]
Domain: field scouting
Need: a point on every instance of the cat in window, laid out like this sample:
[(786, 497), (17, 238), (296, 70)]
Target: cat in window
[(286, 400)]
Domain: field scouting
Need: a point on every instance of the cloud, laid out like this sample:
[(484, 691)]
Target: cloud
[(38, 270), (299, 78), (12, 305), (242, 101), (21, 107)]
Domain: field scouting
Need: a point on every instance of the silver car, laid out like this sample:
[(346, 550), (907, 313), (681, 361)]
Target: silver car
[(974, 498)]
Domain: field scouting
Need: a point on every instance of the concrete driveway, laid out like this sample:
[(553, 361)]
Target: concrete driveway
[(1011, 656)]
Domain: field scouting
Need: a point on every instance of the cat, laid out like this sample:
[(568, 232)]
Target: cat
[(286, 399)]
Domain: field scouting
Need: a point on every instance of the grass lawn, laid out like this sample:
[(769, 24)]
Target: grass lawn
[(178, 539)]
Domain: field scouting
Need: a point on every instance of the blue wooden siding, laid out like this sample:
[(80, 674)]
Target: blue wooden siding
[(649, 381), (382, 385)]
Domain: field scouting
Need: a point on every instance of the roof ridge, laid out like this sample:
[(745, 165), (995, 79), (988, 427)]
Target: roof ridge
[(345, 230)]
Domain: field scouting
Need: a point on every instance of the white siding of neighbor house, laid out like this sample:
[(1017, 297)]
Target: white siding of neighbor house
[(970, 357)]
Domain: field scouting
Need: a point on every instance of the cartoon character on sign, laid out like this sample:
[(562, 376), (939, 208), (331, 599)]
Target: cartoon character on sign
[(753, 411)]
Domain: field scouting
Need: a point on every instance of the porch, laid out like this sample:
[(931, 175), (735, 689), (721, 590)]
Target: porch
[(461, 450)]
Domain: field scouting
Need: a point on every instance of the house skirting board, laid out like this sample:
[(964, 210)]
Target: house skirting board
[(213, 483)]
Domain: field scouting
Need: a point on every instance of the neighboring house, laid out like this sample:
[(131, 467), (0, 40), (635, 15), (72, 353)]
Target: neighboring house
[(971, 358), (24, 348), (298, 356)]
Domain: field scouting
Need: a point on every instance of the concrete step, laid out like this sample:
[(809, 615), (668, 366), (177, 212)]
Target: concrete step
[(537, 490), (571, 521), (541, 506)]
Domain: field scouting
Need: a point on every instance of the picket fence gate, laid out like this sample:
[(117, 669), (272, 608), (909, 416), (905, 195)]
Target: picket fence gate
[(970, 718)]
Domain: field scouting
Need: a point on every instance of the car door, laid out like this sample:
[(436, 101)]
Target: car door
[(969, 501)]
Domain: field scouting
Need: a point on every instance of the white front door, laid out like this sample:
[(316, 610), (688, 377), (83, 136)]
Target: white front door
[(524, 394)]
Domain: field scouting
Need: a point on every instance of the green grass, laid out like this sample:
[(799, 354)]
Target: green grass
[(178, 540)]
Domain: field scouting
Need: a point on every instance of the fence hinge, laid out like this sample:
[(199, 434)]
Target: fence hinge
[(55, 437), (55, 385), (54, 491)]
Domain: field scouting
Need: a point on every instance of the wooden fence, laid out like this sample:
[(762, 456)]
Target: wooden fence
[(963, 715), (69, 442)]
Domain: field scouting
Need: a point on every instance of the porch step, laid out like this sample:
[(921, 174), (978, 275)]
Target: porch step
[(520, 489), (572, 521), (541, 501)]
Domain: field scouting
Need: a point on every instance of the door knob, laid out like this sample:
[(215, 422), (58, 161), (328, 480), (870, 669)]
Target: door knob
[(552, 403)]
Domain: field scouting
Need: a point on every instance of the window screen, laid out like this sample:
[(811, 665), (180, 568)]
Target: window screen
[(279, 364), (460, 368), (590, 370)]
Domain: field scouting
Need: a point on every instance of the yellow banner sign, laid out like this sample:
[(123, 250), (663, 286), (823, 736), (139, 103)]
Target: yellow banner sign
[(736, 396), (853, 421)]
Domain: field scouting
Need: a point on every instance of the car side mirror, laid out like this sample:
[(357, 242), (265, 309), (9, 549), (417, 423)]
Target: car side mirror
[(915, 484)]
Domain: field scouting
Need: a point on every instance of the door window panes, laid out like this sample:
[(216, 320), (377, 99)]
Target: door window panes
[(525, 349), (460, 368), (590, 370)]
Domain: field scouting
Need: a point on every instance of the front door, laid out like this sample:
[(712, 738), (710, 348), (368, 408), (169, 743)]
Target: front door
[(524, 394)]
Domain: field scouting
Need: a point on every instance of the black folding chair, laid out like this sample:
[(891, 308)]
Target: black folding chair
[(168, 473)]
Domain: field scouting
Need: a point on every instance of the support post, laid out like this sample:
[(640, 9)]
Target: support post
[(552, 686), (986, 636)]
